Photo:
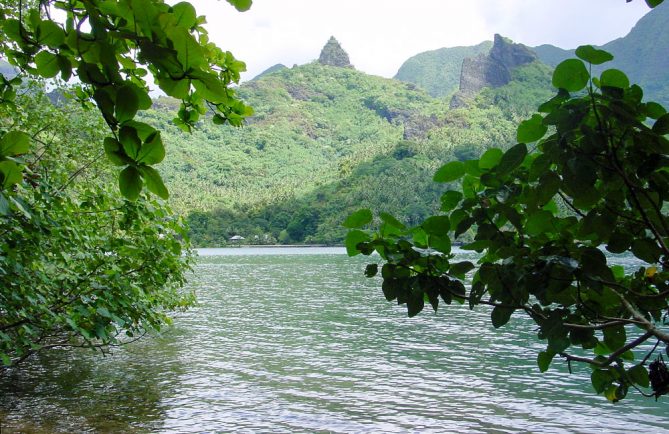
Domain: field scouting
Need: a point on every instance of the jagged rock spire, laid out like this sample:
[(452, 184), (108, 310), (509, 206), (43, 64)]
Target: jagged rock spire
[(333, 55)]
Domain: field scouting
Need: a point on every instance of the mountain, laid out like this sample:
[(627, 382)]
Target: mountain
[(438, 71), (324, 141), (642, 54), (271, 69), (490, 70)]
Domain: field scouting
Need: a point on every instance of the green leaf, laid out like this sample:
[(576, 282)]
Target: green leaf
[(50, 34), (130, 141), (615, 337), (14, 143), (358, 219), (437, 225), (531, 129), (130, 183), (652, 3), (415, 303), (47, 64), (114, 152), (371, 270), (127, 103), (500, 316), (241, 5), (512, 158), (639, 375), (490, 158), (661, 126), (185, 15), (154, 183), (601, 379), (614, 78), (450, 172), (353, 238), (391, 221), (593, 55), (544, 360), (11, 173), (450, 200), (152, 151), (571, 75)]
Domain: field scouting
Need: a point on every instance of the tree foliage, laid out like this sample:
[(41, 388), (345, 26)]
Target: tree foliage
[(602, 152), (79, 265), (111, 47)]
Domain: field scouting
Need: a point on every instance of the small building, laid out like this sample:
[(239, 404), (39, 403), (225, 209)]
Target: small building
[(236, 239)]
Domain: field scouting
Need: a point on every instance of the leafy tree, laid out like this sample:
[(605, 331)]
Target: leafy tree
[(79, 265), (111, 47), (601, 152)]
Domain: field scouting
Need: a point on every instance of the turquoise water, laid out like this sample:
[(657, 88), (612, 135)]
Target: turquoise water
[(298, 340)]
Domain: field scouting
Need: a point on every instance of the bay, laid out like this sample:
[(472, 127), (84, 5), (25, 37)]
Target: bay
[(298, 340)]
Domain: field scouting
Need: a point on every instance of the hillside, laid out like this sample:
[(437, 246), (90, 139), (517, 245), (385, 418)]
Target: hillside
[(325, 140), (438, 71), (645, 63)]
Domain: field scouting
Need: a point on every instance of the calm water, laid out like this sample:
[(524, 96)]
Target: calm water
[(297, 340)]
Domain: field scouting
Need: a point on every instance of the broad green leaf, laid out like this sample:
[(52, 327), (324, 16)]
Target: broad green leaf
[(14, 143), (571, 75), (654, 110), (437, 225), (593, 55), (614, 78), (539, 222), (185, 14), (241, 5), (152, 151), (661, 126), (175, 88), (358, 219), (114, 152), (130, 183), (47, 64), (512, 158), (50, 34), (415, 303), (450, 200), (127, 103), (450, 172), (371, 270), (4, 205), (490, 158), (646, 250), (531, 129), (441, 243), (130, 141), (154, 183), (601, 379), (11, 173), (544, 360), (653, 3), (615, 337), (391, 221), (639, 375), (353, 238), (500, 316)]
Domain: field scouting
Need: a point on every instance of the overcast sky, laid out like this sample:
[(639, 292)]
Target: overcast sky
[(379, 35)]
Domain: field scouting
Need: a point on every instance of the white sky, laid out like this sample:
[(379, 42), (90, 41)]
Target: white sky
[(379, 35)]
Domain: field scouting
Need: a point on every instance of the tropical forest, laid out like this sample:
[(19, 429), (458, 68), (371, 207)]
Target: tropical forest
[(194, 242)]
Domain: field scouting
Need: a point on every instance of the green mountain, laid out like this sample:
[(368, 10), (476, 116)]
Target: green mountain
[(325, 141), (438, 71), (641, 54)]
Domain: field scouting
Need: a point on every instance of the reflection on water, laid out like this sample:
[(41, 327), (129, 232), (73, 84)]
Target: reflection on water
[(297, 342)]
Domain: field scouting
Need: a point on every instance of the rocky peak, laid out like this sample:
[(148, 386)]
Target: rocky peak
[(510, 54), (333, 55), (492, 70)]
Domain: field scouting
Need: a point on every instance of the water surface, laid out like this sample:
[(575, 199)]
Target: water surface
[(297, 340)]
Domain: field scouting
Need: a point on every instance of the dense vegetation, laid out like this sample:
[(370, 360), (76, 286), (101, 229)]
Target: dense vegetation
[(605, 159), (325, 139), (438, 71)]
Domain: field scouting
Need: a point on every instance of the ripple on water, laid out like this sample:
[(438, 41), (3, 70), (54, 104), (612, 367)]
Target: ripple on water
[(304, 343)]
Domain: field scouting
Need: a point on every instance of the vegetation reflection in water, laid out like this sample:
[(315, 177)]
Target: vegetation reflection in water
[(298, 340)]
